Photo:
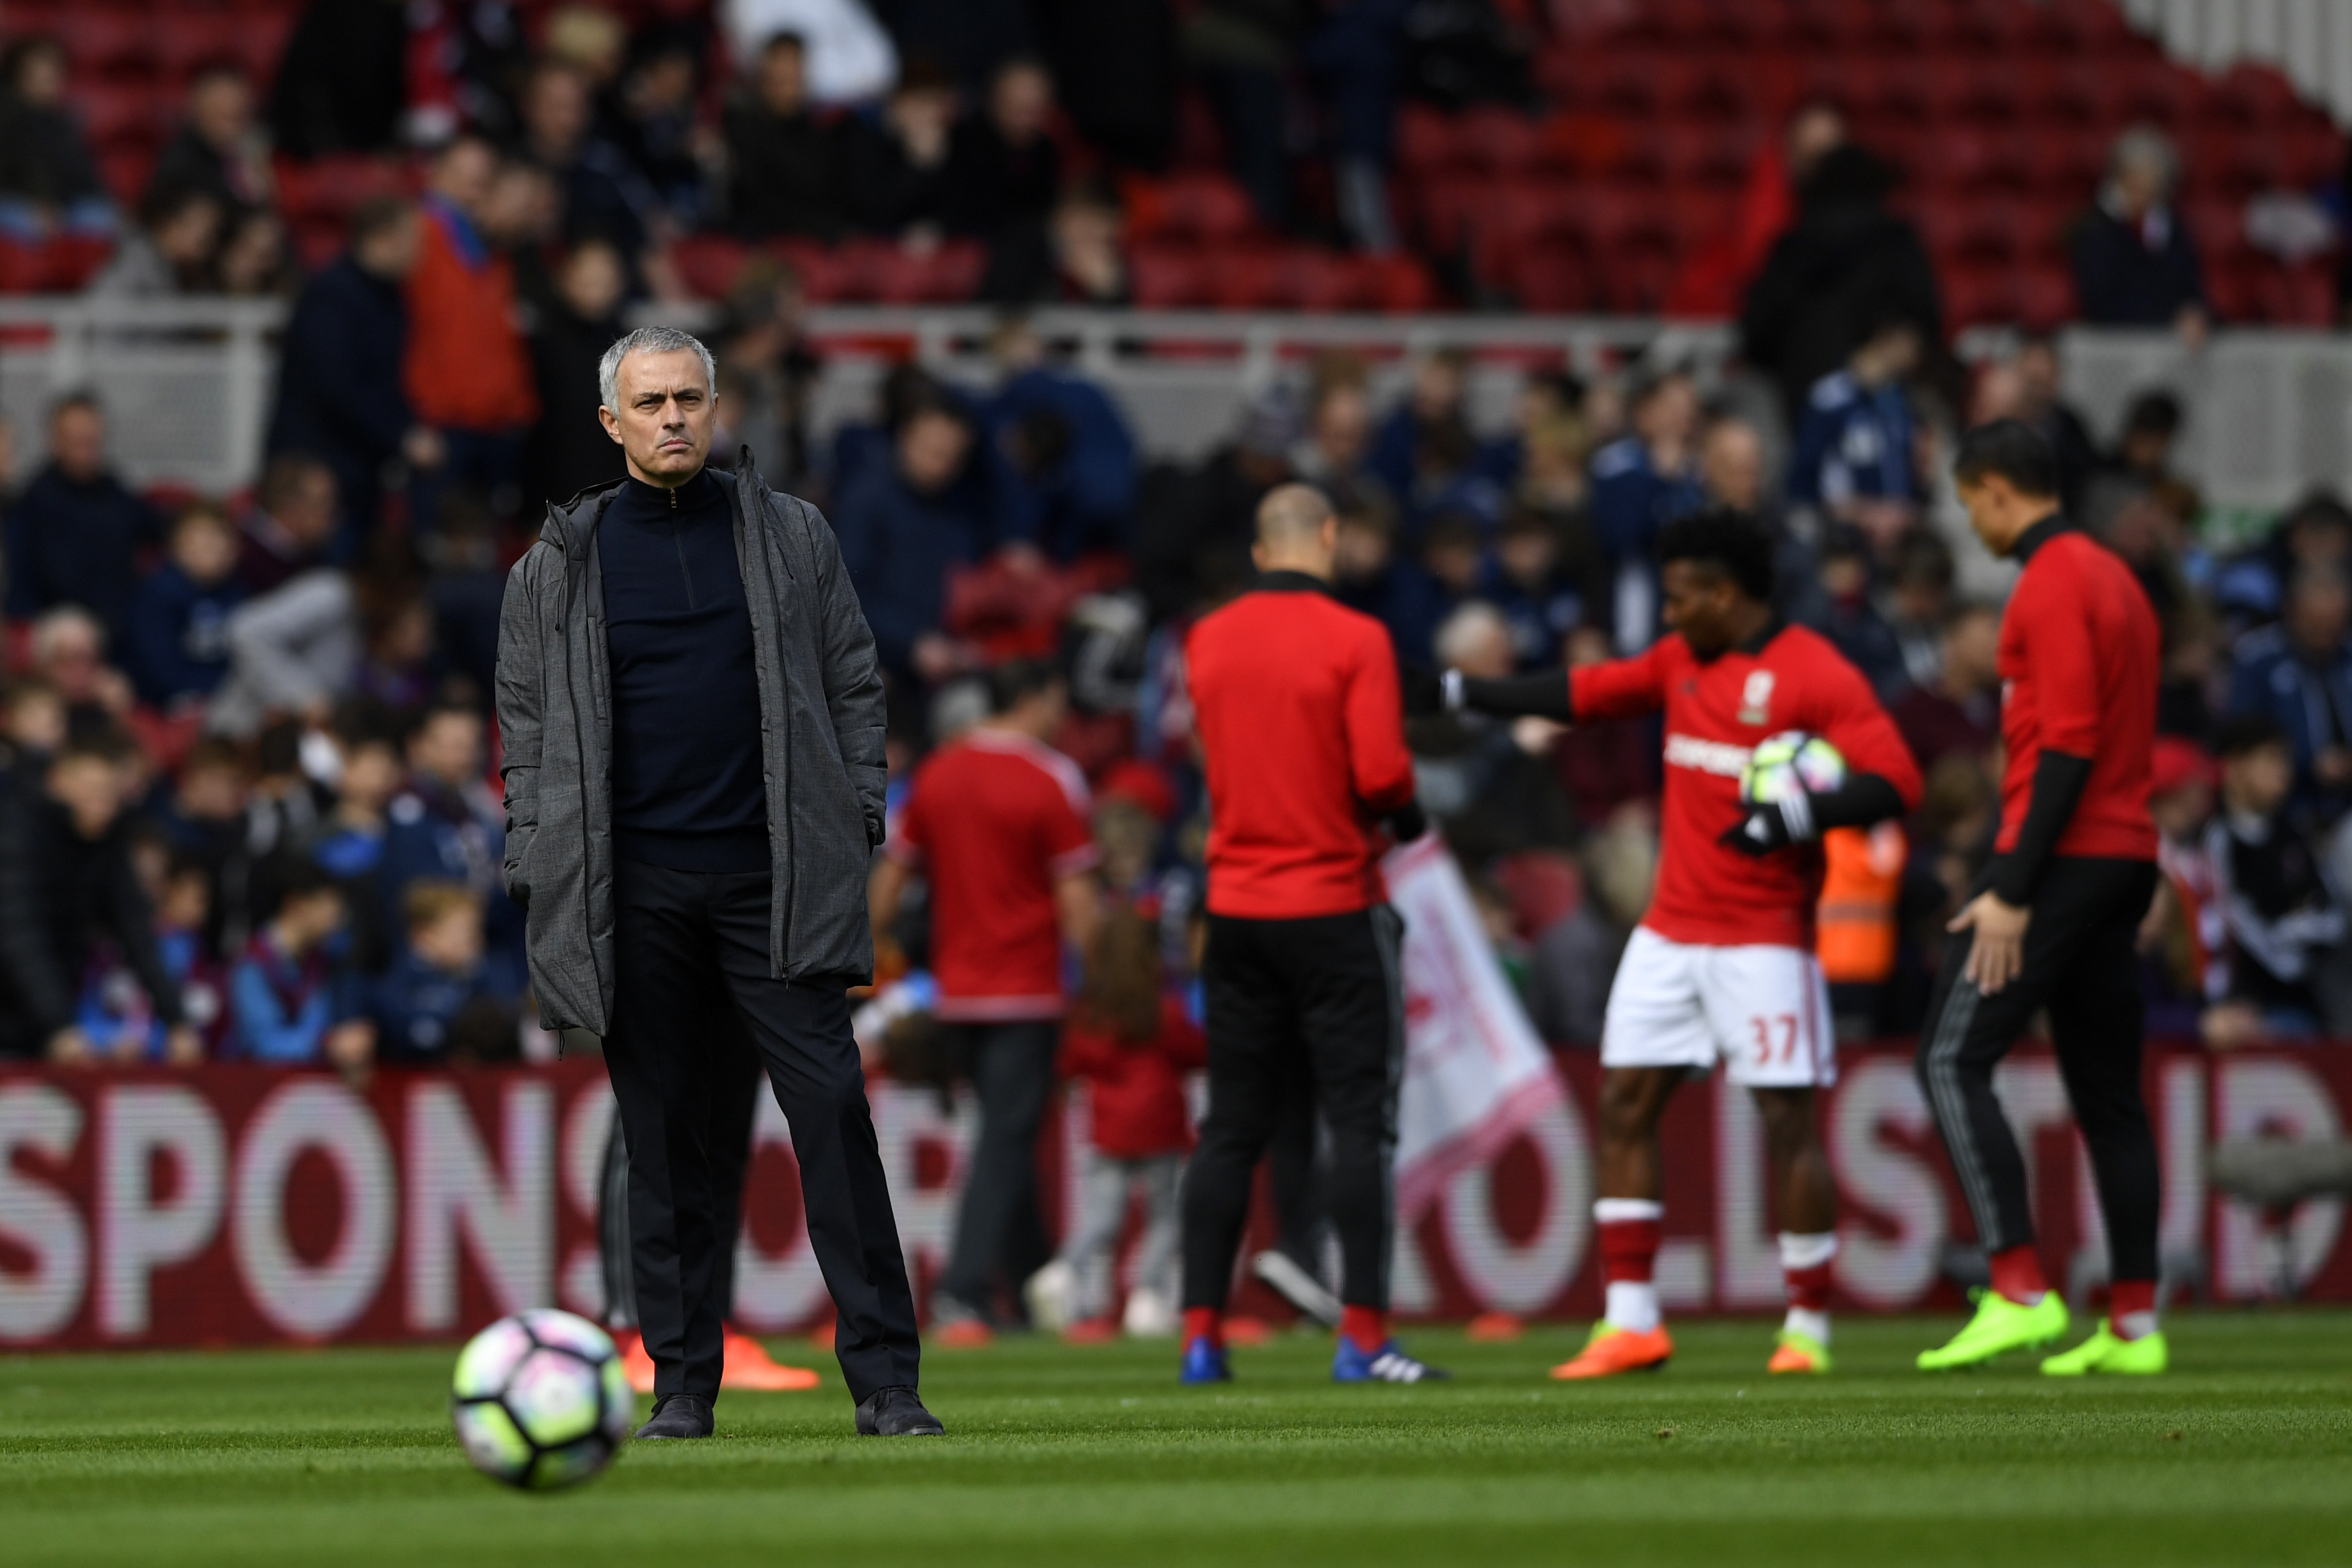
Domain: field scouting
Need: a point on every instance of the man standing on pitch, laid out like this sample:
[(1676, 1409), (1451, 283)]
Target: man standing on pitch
[(2053, 923), (1302, 733), (692, 718)]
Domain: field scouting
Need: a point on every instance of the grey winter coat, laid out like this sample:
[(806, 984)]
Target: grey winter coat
[(820, 720)]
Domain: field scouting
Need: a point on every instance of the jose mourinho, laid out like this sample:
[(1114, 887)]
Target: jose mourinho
[(692, 718)]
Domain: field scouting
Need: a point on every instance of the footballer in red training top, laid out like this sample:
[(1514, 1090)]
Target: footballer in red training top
[(1722, 969)]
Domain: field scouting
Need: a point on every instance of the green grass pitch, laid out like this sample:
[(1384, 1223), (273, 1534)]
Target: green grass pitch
[(343, 1458)]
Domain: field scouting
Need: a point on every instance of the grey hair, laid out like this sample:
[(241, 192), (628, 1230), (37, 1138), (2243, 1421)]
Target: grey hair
[(2146, 147), (649, 340)]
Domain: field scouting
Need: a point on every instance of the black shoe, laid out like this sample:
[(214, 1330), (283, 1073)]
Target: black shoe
[(897, 1413), (679, 1415)]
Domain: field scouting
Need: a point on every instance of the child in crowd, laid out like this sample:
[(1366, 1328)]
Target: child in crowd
[(2283, 917), (175, 641), (32, 727), (287, 997), (1130, 1043), (350, 850), (438, 980)]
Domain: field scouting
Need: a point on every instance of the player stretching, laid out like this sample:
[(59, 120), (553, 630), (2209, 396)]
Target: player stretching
[(2055, 921), (1722, 967)]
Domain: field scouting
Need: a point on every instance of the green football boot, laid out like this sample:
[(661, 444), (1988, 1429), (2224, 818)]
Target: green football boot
[(2000, 1326), (2104, 1352)]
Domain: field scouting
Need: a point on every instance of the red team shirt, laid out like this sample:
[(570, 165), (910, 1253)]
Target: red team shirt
[(2079, 657), (995, 819), (1716, 711)]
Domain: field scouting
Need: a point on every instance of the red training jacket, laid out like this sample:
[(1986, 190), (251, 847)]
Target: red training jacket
[(2079, 656), (1302, 732), (1135, 1089)]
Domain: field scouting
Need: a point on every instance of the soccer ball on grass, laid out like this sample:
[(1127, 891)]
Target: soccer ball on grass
[(1787, 762), (540, 1400)]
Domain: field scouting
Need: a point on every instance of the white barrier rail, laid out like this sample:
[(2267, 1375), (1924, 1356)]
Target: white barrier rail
[(189, 382)]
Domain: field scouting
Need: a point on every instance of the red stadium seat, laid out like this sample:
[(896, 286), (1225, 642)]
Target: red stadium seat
[(119, 114), (24, 268), (1551, 278), (2045, 298), (1429, 143), (708, 264), (1503, 143), (1168, 276), (2089, 28), (102, 42), (1196, 203)]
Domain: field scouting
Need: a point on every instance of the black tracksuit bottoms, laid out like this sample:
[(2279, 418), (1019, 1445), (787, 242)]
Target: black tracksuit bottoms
[(693, 1004), (2080, 962), (1299, 1012)]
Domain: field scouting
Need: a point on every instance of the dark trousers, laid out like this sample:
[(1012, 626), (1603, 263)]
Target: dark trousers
[(688, 945), (732, 1115), (1299, 1012), (2080, 962), (999, 1230)]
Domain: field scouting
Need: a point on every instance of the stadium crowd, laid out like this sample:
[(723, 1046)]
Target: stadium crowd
[(250, 806)]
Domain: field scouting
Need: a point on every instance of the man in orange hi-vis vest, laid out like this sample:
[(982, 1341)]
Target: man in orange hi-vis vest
[(1855, 921)]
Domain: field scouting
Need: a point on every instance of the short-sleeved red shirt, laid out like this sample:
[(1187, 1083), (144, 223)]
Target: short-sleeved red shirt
[(994, 819), (1716, 710)]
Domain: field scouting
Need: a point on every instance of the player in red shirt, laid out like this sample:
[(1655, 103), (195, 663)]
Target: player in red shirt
[(2055, 922), (1722, 967), (997, 823)]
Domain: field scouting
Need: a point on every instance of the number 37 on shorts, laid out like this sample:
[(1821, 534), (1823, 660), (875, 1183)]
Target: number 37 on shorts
[(1762, 1012)]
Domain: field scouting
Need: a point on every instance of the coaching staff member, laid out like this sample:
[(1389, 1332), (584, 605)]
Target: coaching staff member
[(692, 718), (2054, 922), (1302, 732)]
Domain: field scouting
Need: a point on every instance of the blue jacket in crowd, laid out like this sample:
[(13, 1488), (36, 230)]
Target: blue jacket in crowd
[(176, 643), (340, 397), (2310, 698), (281, 1008), (1081, 499), (1630, 502), (1407, 599), (1854, 442), (414, 1003), (71, 542), (898, 544)]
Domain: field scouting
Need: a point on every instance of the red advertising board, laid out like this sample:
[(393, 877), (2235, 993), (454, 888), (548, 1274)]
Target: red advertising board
[(245, 1205)]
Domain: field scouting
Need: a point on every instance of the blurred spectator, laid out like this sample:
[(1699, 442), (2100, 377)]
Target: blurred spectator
[(2135, 262), (1846, 265), (467, 368), (1855, 457), (1920, 572), (439, 974), (1338, 426), (69, 647), (2151, 432), (1486, 782), (1356, 59), (290, 526), (218, 150), (770, 370), (1115, 63), (569, 449), (444, 825), (350, 844), (167, 253), (175, 641), (32, 727), (183, 921), (1061, 461), (850, 56), (1640, 483), (1007, 170), (591, 39), (289, 996), (1078, 257), (1192, 525), (1541, 591), (784, 163), (294, 649), (467, 586), (285, 806), (66, 881), (903, 526), (2041, 405), (602, 195), (1130, 1043), (1241, 52), (49, 180), (1732, 472), (340, 393), (1958, 712), (2298, 673), (204, 819), (1853, 621), (1371, 574), (342, 82), (74, 533), (1433, 402), (1548, 461), (1711, 279), (656, 132), (396, 668), (2315, 532), (973, 38), (1574, 958), (254, 260), (2282, 915), (896, 172), (1454, 549)]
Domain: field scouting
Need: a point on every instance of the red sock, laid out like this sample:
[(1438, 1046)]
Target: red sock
[(2017, 1274), (1629, 1248), (2126, 1297), (1205, 1323), (1808, 1289), (1366, 1327)]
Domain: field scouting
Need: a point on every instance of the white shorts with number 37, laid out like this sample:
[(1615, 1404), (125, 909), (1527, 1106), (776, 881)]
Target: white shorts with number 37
[(1763, 1012)]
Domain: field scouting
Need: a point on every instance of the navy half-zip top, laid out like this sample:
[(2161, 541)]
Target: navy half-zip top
[(688, 791)]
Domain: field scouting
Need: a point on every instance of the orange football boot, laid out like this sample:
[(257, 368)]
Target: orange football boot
[(748, 1365), (1612, 1350)]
